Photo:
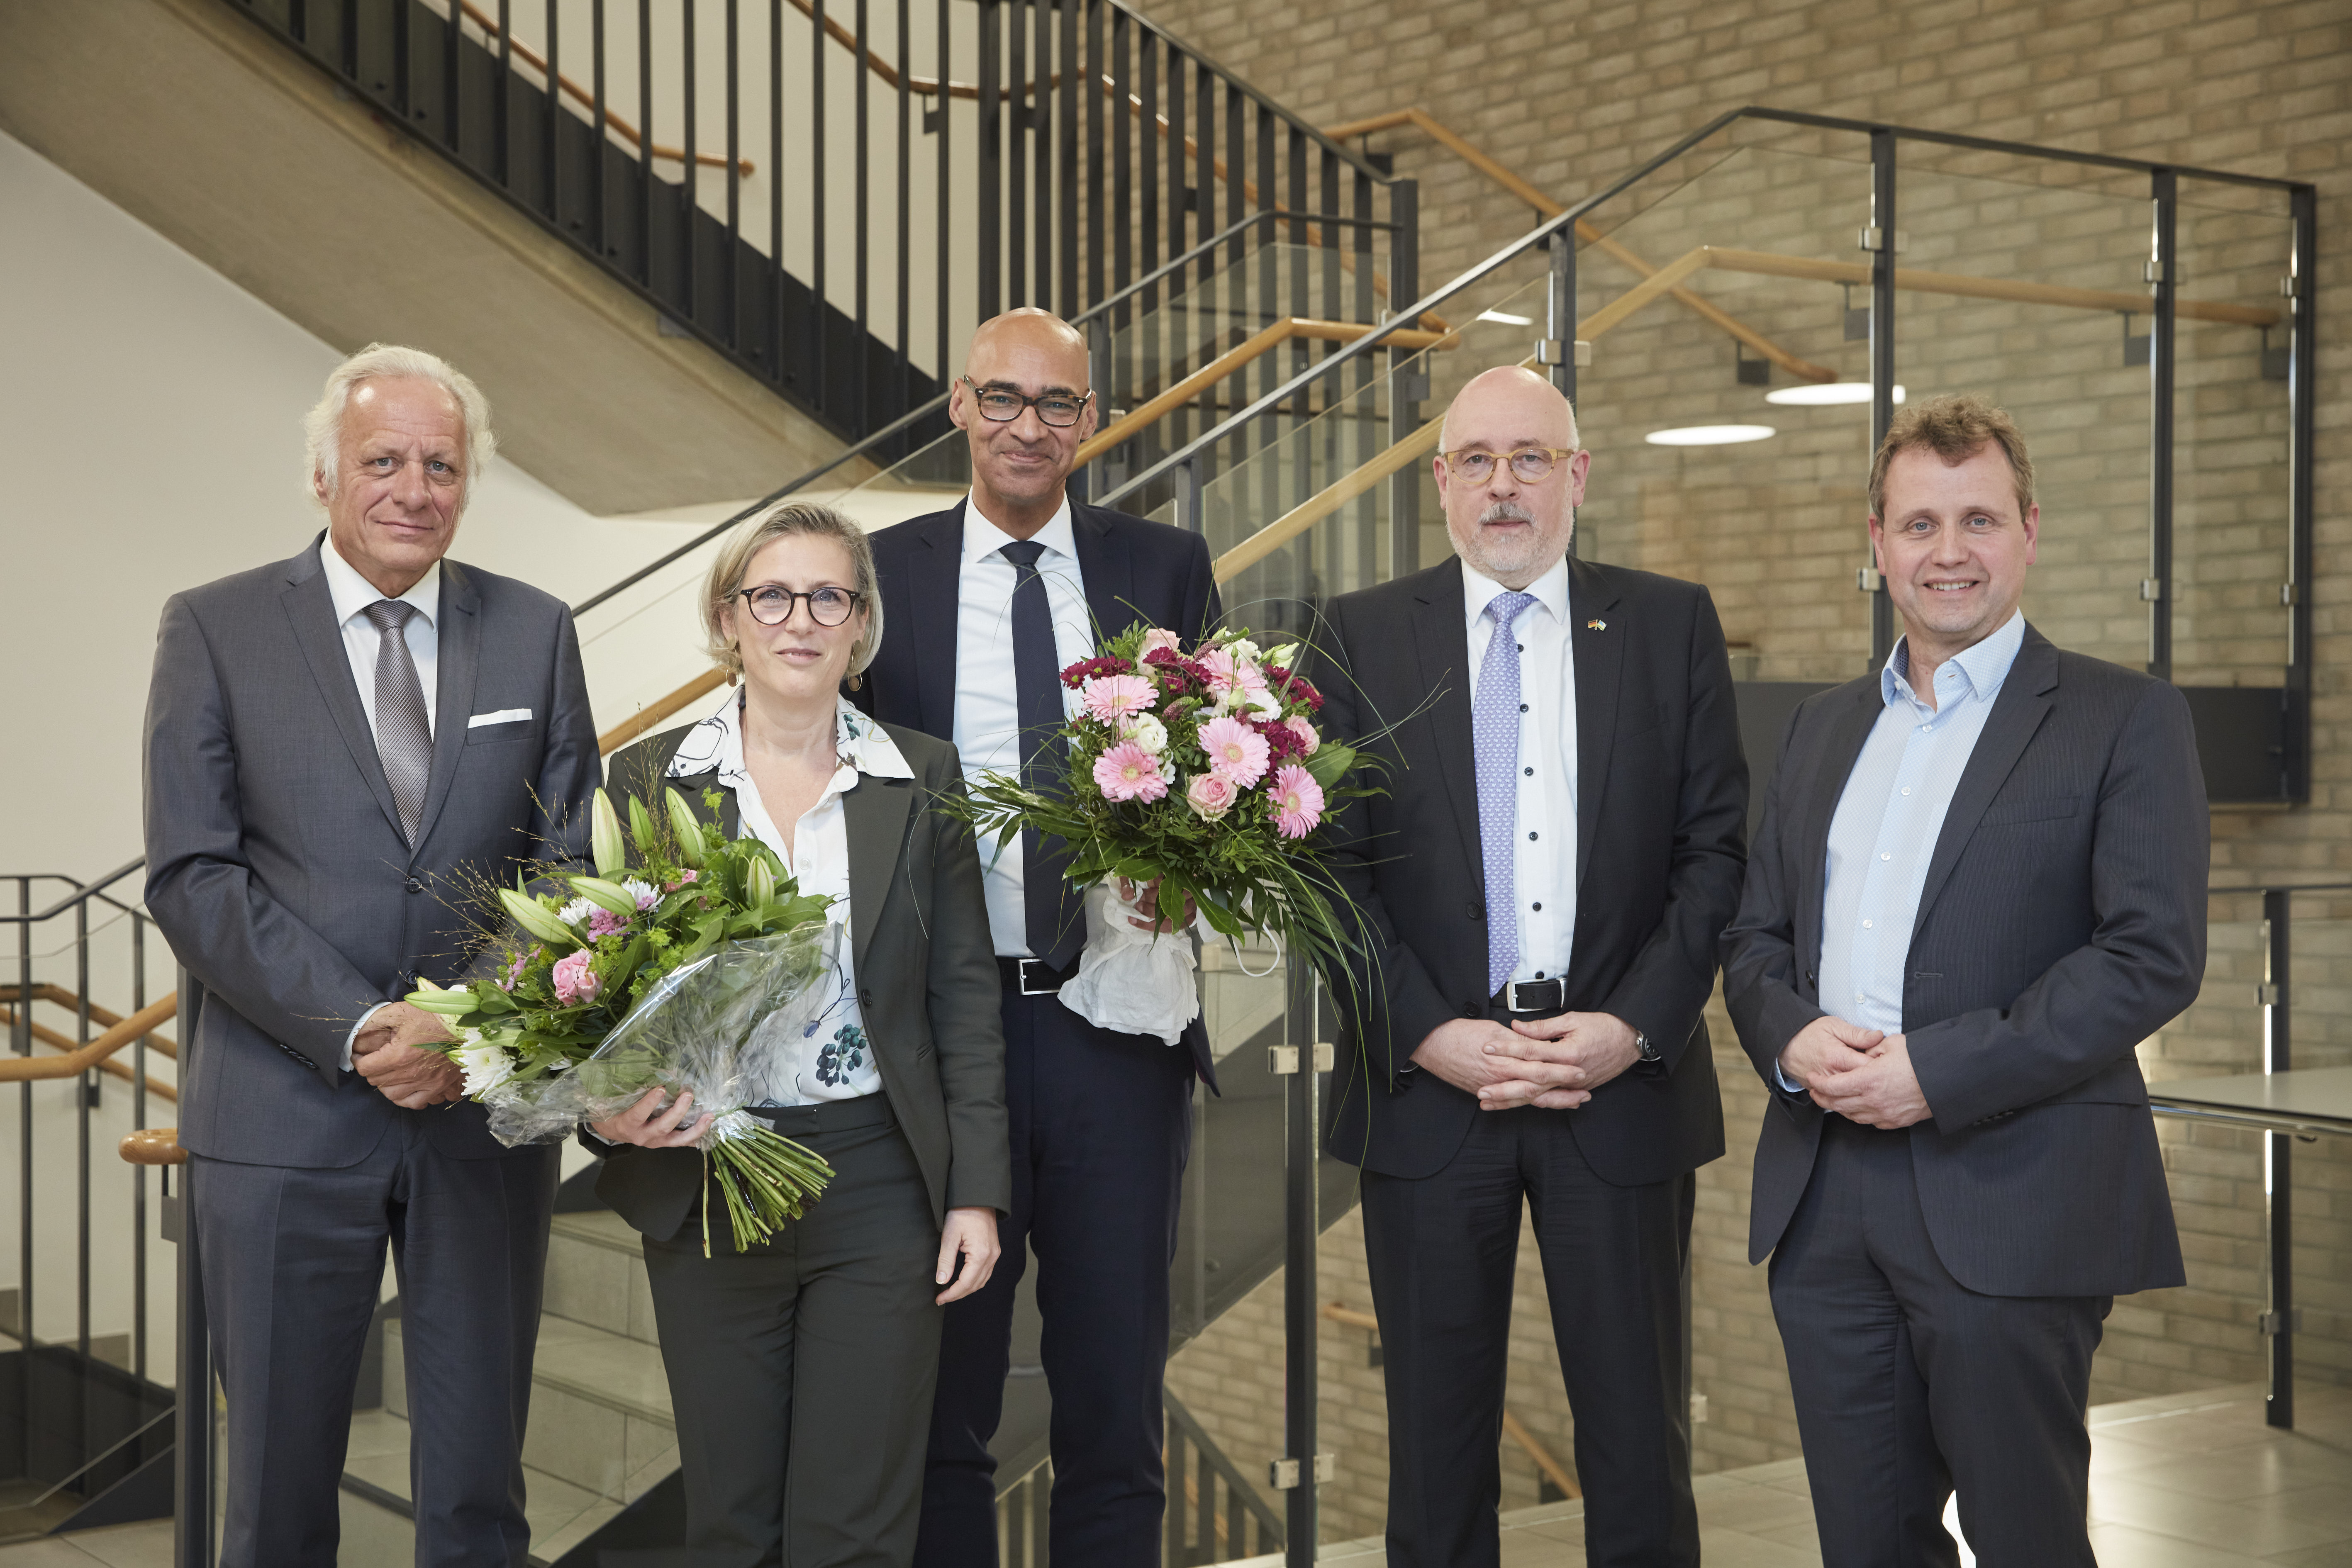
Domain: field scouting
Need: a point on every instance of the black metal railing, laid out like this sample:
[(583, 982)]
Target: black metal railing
[(834, 197), (81, 1415), (1214, 1515)]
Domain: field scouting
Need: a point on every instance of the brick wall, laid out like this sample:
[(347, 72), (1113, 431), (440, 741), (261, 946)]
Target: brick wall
[(1571, 94)]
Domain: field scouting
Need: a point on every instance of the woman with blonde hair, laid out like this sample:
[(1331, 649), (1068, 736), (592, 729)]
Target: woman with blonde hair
[(801, 1372)]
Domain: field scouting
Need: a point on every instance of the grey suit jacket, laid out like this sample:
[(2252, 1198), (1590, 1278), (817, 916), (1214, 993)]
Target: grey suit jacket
[(274, 865), (927, 984), (2062, 922)]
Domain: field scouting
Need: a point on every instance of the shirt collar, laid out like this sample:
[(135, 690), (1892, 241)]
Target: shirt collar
[(1982, 666), (983, 537), (716, 743), (350, 593), (1550, 590)]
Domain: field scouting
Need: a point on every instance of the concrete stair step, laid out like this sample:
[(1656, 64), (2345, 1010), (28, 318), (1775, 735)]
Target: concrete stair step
[(596, 1275)]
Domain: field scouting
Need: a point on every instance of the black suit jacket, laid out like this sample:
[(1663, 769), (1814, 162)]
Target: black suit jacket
[(927, 984), (1661, 802), (2062, 922), (1134, 570)]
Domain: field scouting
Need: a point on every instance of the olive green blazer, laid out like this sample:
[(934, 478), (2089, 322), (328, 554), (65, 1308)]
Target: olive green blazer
[(926, 982)]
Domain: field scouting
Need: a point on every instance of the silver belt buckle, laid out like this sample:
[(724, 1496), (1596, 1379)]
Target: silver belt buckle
[(1511, 995), (1028, 990)]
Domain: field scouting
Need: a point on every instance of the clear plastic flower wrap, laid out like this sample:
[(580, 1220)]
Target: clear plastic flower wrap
[(724, 1026)]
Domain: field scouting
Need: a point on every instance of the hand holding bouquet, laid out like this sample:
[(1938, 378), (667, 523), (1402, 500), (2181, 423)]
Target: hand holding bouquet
[(1205, 773), (673, 972)]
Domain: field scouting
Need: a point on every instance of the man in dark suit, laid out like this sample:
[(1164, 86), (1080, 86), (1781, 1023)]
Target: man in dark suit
[(995, 597), (1978, 885), (342, 750), (1540, 890)]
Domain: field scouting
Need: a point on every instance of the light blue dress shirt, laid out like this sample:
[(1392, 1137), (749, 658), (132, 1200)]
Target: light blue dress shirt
[(1889, 819)]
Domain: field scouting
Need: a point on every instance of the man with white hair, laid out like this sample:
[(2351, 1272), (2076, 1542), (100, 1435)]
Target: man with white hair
[(1540, 886), (343, 750)]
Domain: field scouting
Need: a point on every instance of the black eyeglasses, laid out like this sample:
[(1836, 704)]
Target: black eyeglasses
[(1059, 409), (773, 606)]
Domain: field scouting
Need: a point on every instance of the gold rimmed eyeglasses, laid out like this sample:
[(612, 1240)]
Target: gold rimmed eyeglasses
[(1532, 464)]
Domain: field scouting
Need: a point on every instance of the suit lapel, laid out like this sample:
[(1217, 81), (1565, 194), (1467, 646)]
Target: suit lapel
[(313, 612), (875, 814), (1600, 664), (458, 658), (1107, 569), (1442, 641), (1840, 749), (934, 580), (2023, 702)]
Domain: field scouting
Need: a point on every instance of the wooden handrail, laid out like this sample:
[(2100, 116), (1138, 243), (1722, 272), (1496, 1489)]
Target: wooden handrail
[(1461, 147), (653, 712), (73, 1063), (1560, 1475), (1338, 494), (1233, 359), (59, 997), (582, 96), (153, 1146)]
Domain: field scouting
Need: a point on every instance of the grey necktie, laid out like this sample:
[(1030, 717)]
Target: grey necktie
[(403, 736)]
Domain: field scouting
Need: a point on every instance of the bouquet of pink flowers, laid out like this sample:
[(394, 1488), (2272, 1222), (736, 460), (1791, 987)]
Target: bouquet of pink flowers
[(1203, 772)]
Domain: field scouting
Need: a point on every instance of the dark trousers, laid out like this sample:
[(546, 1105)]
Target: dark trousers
[(1443, 1253), (292, 1259), (1906, 1381), (801, 1372), (1101, 1126)]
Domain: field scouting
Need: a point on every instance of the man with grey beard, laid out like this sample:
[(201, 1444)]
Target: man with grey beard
[(1538, 893)]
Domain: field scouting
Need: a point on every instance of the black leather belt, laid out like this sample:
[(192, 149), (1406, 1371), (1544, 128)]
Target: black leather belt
[(1532, 996), (1034, 977)]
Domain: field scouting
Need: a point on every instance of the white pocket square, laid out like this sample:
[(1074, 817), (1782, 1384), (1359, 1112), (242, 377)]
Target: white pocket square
[(504, 716)]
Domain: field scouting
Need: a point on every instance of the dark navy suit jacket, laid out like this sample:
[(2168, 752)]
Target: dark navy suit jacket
[(1134, 570), (2062, 923)]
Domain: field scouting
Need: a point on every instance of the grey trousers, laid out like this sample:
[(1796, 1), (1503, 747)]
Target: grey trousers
[(292, 1259), (800, 1374), (1906, 1381)]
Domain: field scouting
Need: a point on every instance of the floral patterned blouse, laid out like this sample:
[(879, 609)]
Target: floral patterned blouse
[(834, 1059)]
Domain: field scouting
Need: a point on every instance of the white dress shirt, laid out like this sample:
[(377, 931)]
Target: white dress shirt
[(833, 1060), (1888, 819), (352, 594), (987, 697), (1543, 838)]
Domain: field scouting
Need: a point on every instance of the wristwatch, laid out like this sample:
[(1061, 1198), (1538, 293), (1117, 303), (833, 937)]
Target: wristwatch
[(1642, 1046)]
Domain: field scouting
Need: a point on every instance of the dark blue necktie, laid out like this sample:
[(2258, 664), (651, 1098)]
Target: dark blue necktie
[(1055, 918)]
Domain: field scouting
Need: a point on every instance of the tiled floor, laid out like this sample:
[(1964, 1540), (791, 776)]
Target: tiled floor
[(2186, 1481)]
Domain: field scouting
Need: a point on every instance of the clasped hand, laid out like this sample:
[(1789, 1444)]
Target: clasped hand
[(1553, 1064), (387, 1052), (1863, 1074)]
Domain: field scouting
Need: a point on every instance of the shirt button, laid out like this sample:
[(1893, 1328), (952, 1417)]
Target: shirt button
[(1865, 926), (1907, 788), (1532, 836), (1857, 995), (1881, 857), (1523, 707), (1535, 907), (1530, 772)]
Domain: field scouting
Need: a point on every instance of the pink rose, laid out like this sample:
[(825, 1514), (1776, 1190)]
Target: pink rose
[(1128, 772), (1309, 741), (1234, 749), (1210, 796), (575, 982), (1112, 697), (1297, 802), (1156, 639)]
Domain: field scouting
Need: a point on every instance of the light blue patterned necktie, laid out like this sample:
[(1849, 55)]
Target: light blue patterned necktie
[(1494, 737)]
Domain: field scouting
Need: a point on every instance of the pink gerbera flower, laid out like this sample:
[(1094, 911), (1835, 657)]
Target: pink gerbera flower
[(1112, 697), (1234, 749), (1297, 802), (1128, 772)]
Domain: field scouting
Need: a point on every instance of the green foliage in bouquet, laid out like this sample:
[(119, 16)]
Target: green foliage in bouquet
[(573, 970)]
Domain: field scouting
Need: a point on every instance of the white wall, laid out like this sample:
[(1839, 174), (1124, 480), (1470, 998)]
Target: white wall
[(149, 430)]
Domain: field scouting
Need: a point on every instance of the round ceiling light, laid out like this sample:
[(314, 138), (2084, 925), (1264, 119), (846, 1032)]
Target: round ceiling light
[(1819, 394), (1709, 435)]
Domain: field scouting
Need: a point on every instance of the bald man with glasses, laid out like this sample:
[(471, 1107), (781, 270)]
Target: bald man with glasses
[(998, 594)]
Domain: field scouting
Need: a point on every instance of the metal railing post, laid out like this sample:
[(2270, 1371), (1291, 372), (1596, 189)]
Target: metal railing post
[(2164, 280), (1299, 1471), (2278, 1166), (2303, 373), (192, 1468), (1882, 353)]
